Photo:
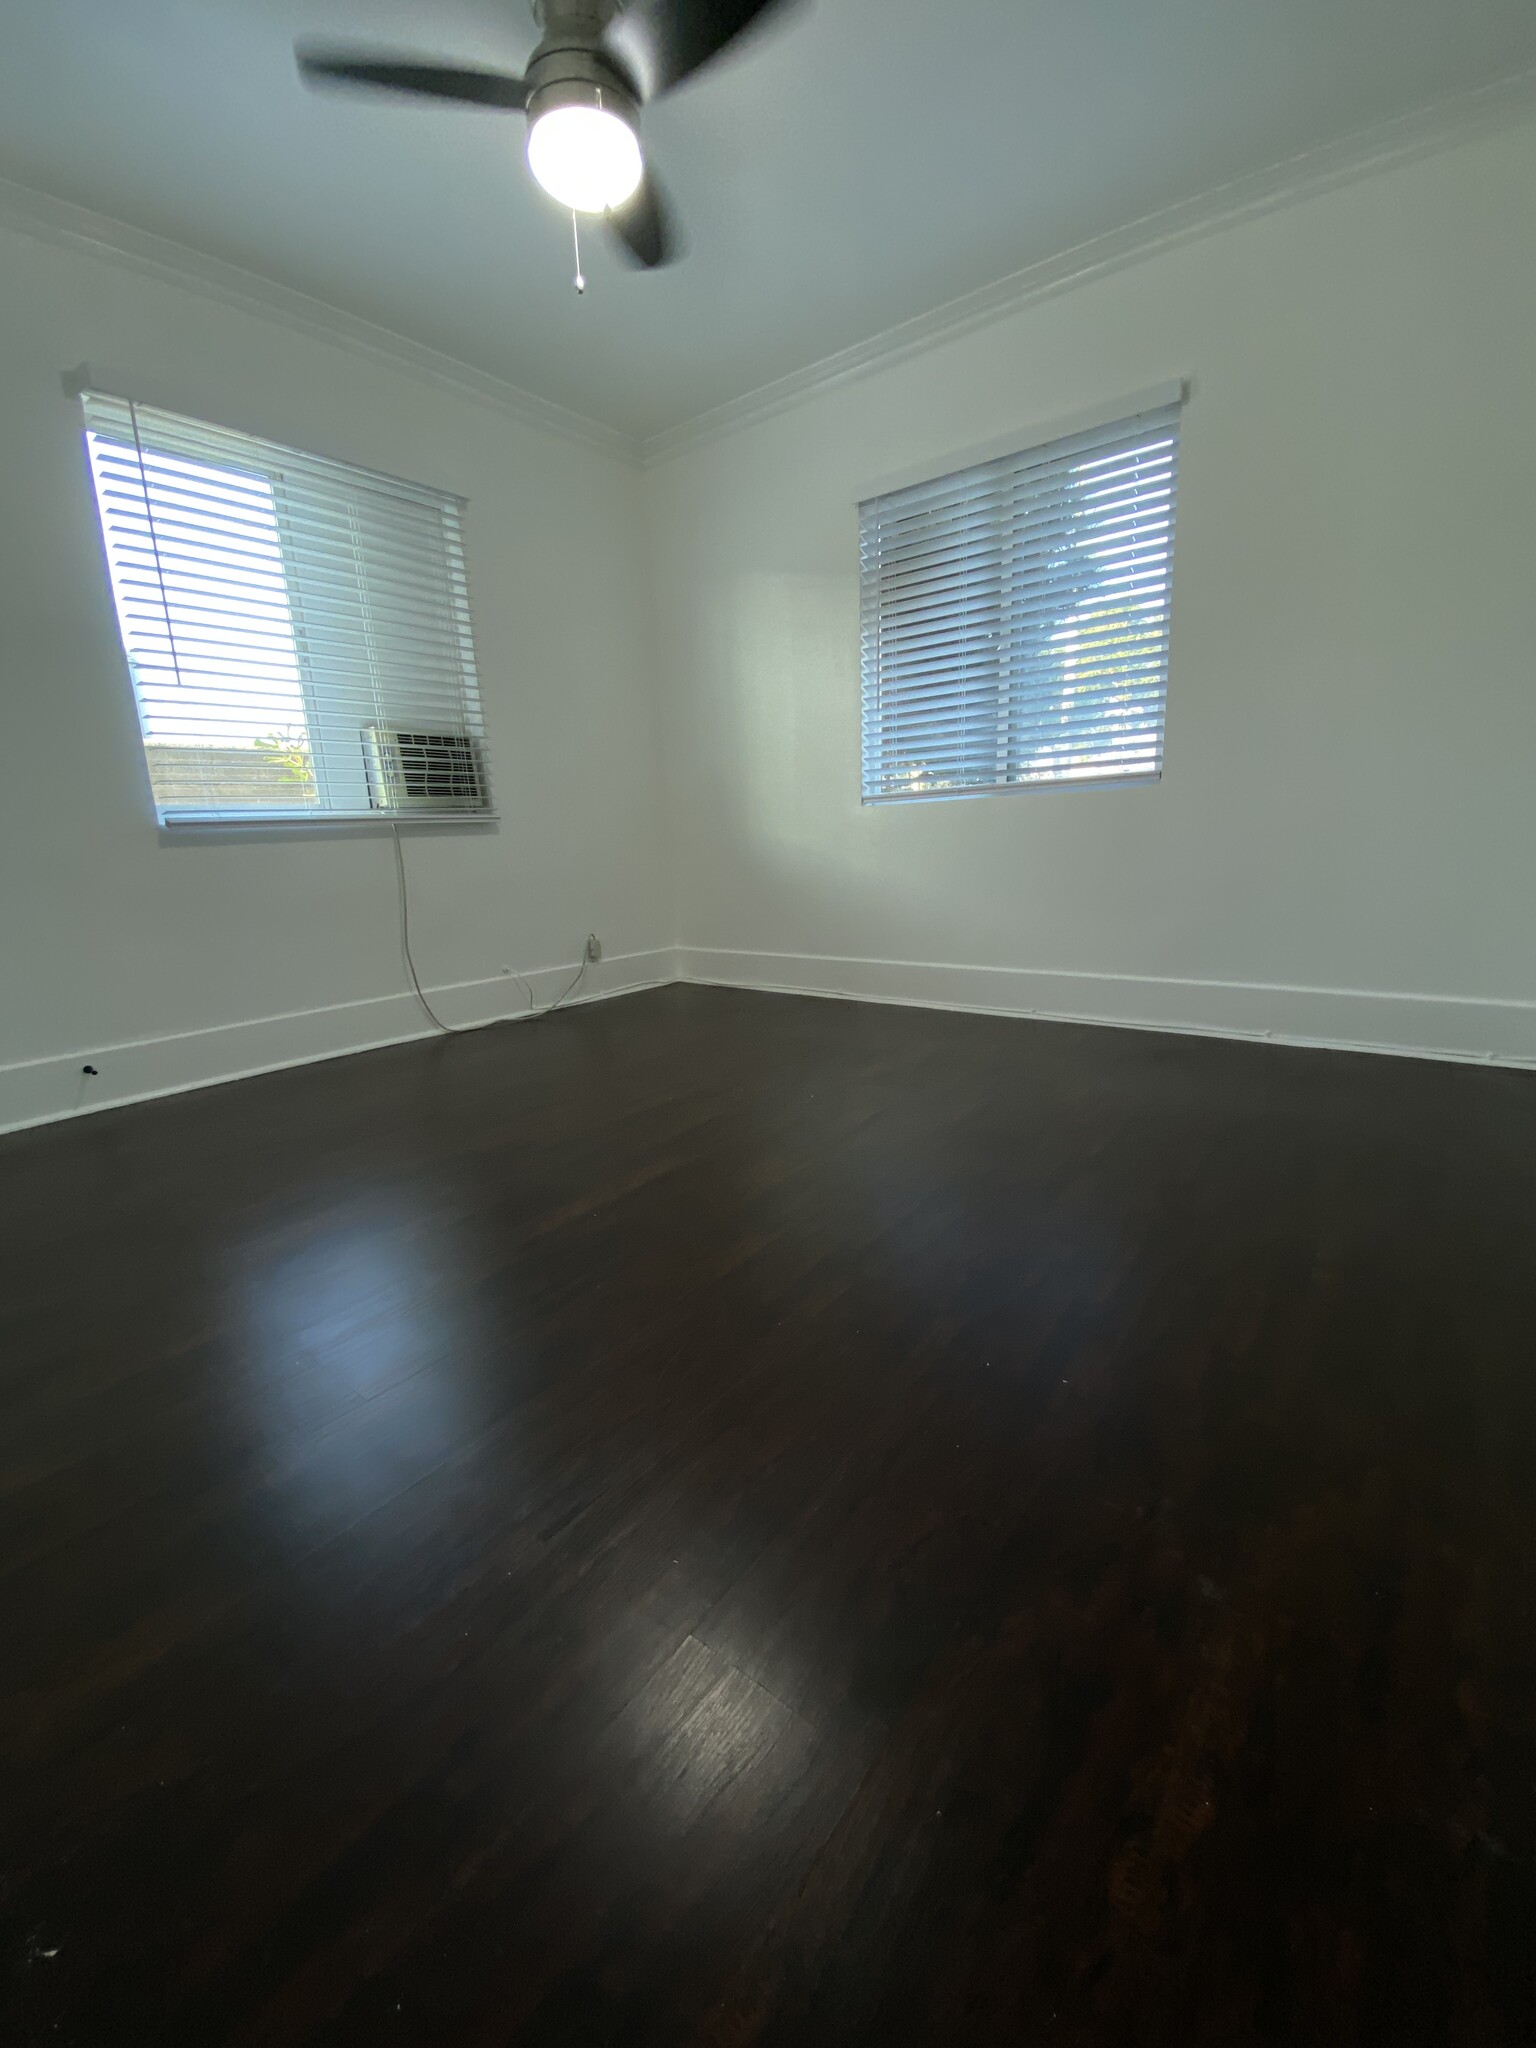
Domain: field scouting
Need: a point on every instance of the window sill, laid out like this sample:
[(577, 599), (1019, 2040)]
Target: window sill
[(945, 796), (313, 821)]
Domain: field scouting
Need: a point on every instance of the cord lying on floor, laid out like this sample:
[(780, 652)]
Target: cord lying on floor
[(457, 1030)]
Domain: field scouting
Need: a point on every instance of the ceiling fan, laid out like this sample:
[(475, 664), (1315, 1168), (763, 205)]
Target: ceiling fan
[(598, 63)]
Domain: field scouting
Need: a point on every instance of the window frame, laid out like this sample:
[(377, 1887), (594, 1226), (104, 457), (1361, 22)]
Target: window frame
[(451, 703), (966, 465)]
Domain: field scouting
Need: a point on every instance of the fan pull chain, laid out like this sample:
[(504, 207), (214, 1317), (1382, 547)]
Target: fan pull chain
[(581, 282)]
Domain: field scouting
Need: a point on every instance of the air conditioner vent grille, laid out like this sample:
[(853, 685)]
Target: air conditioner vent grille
[(413, 770)]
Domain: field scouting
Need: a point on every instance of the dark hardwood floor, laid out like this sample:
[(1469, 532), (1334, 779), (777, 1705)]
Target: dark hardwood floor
[(726, 1519)]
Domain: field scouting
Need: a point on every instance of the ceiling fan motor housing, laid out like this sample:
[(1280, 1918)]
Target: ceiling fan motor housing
[(571, 68)]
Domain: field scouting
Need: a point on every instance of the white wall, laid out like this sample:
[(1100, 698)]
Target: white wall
[(1348, 812), (164, 959)]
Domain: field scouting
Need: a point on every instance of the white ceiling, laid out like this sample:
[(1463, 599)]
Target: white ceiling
[(859, 163)]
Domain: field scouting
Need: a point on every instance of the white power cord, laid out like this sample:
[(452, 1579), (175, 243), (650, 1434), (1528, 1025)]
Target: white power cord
[(568, 990), (457, 1030), (405, 938)]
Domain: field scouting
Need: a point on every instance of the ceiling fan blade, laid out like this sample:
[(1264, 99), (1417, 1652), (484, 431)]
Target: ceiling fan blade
[(431, 81), (645, 228), (662, 42)]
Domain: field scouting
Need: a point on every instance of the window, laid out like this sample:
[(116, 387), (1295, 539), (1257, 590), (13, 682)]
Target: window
[(1014, 618), (297, 630)]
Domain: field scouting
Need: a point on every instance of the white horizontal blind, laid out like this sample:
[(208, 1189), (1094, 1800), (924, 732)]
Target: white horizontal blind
[(280, 612), (1014, 617)]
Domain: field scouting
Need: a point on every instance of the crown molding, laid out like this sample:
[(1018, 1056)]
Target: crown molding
[(1424, 132), (61, 223)]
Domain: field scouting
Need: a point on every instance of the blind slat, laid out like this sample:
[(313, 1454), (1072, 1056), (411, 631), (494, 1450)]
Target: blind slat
[(297, 629), (1014, 617), (1113, 705)]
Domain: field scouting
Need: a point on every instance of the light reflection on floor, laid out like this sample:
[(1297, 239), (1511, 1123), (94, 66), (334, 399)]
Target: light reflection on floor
[(359, 1307)]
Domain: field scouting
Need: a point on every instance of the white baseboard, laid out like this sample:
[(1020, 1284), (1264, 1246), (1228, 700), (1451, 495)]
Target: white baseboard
[(1493, 1030), (39, 1091)]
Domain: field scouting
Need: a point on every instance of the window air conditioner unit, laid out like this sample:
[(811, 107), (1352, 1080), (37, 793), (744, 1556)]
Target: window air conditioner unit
[(423, 771)]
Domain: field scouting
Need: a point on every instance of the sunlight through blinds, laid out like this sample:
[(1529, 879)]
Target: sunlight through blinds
[(297, 629), (1014, 618)]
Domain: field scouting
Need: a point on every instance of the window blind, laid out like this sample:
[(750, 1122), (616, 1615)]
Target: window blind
[(297, 629), (1014, 617)]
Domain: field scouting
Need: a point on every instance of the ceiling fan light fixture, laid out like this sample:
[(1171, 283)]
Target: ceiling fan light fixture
[(585, 156), (596, 63)]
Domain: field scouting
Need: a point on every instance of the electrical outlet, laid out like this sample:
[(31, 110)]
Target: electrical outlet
[(594, 946)]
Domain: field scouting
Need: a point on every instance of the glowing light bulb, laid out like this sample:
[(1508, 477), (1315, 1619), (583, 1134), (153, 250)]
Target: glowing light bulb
[(586, 157)]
